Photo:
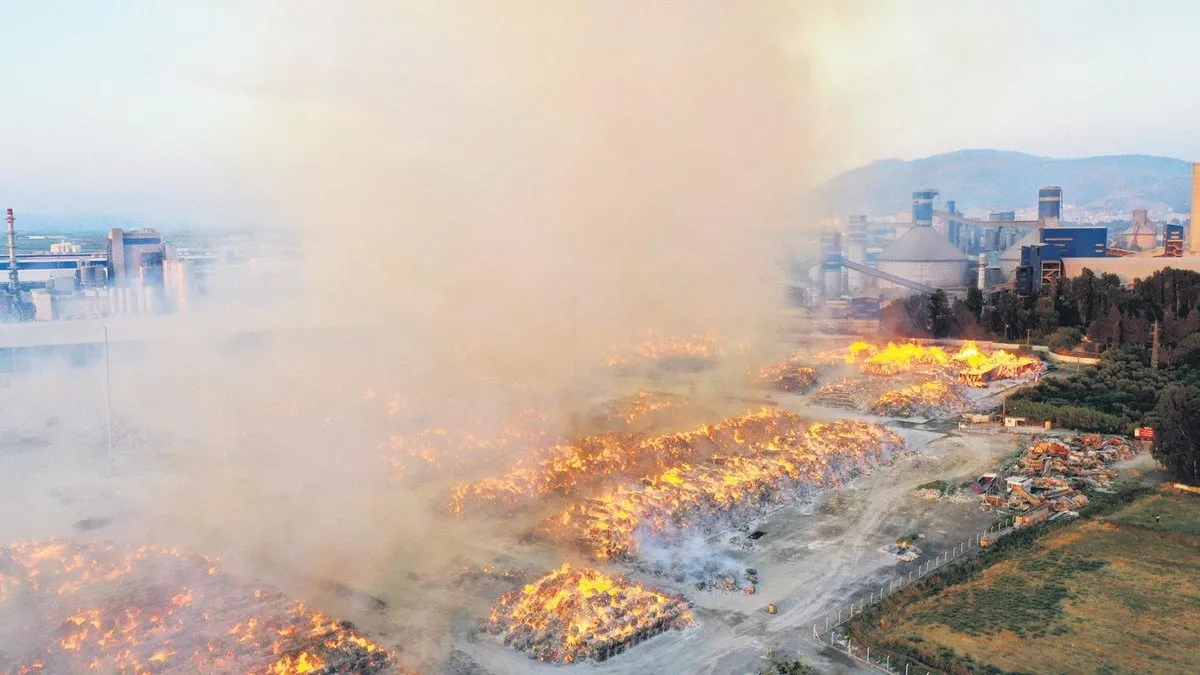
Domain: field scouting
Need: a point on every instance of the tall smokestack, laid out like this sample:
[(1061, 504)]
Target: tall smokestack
[(14, 283), (1194, 230)]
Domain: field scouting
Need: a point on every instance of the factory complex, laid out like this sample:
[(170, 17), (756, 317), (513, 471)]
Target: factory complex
[(942, 249), (136, 273)]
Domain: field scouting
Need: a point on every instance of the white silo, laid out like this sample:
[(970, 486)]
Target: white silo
[(923, 254)]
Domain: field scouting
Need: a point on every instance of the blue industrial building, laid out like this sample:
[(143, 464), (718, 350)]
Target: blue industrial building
[(1076, 242)]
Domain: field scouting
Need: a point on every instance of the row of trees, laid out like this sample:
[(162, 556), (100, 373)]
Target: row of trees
[(1094, 308)]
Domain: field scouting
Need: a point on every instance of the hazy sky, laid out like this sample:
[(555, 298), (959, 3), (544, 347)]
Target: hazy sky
[(150, 109)]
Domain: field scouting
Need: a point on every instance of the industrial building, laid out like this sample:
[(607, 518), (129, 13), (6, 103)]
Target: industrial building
[(943, 249), (133, 275), (1050, 253)]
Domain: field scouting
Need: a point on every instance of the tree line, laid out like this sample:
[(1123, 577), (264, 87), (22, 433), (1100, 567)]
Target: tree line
[(1095, 310)]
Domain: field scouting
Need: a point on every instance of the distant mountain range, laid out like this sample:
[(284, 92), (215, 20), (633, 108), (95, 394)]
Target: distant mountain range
[(995, 180)]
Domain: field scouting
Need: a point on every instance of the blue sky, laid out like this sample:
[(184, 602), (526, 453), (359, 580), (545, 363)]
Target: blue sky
[(157, 109)]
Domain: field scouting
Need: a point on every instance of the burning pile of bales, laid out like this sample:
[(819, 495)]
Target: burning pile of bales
[(969, 365), (594, 461), (69, 608), (999, 365), (573, 614), (792, 375), (845, 393), (705, 496), (932, 398), (894, 359)]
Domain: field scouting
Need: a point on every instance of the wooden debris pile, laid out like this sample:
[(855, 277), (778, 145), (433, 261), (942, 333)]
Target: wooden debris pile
[(793, 375), (934, 398), (1081, 460), (572, 614)]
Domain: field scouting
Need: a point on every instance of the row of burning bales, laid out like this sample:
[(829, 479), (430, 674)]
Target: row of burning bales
[(938, 378), (903, 380), (620, 494), (624, 494)]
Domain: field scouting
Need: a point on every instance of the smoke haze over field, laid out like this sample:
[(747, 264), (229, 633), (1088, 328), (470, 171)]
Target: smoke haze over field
[(489, 194), (463, 172)]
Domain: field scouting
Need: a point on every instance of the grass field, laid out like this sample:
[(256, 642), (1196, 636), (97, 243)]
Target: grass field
[(1116, 594)]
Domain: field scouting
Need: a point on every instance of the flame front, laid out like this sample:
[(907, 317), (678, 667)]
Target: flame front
[(704, 495), (971, 365), (594, 461), (571, 614)]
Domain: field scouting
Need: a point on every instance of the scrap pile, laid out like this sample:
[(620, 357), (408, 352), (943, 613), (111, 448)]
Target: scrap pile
[(690, 354), (1081, 460), (933, 398), (69, 608), (1049, 474), (706, 496), (573, 614), (792, 375), (593, 461)]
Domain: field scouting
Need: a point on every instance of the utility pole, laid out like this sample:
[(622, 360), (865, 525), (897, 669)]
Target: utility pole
[(108, 393), (1154, 347), (575, 341)]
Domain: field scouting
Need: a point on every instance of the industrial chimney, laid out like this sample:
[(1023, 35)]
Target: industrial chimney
[(1194, 230), (14, 282)]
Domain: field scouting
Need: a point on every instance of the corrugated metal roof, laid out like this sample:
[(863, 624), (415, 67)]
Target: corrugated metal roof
[(922, 244)]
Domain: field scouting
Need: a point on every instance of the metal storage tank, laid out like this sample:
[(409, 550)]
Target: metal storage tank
[(924, 256)]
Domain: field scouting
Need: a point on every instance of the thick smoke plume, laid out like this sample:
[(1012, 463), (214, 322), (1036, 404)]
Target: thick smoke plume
[(488, 178), (491, 196)]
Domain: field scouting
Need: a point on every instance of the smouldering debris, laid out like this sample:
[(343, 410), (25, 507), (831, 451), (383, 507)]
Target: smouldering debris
[(154, 610)]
